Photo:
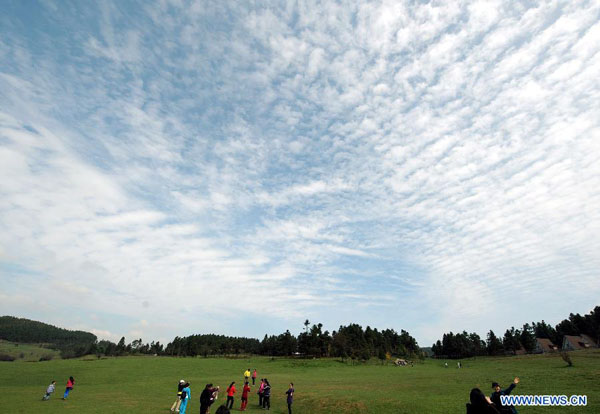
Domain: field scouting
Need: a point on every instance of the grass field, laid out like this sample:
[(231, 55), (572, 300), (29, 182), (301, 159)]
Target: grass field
[(27, 352), (147, 384)]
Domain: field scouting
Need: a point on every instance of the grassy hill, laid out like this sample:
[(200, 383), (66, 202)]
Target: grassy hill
[(21, 330), (147, 384), (28, 352)]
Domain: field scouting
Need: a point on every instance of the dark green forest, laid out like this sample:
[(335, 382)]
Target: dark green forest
[(350, 341), (464, 345), (69, 343)]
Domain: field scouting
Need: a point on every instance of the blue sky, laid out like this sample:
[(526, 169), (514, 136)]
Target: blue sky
[(178, 167)]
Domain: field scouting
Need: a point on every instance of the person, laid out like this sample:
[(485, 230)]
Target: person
[(261, 387), (245, 392), (498, 391), (213, 397), (480, 404), (177, 403), (69, 388), (205, 399), (254, 374), (267, 395), (49, 391), (290, 397), (186, 394), (247, 375), (230, 393), (208, 397)]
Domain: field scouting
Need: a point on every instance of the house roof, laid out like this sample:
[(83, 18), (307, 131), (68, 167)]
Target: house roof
[(577, 342), (589, 340), (545, 344)]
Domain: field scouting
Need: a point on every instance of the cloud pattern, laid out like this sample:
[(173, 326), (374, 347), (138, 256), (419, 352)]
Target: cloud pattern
[(183, 167)]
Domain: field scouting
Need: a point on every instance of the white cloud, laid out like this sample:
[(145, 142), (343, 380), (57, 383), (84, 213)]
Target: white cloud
[(298, 151)]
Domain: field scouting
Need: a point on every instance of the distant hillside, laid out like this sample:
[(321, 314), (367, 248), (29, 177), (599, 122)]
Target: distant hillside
[(70, 343), (26, 352)]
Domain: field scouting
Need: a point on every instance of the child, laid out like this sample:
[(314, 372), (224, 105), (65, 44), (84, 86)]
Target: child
[(177, 403), (245, 392), (290, 397), (267, 395), (230, 393), (186, 394), (49, 391), (260, 392), (70, 385), (254, 374)]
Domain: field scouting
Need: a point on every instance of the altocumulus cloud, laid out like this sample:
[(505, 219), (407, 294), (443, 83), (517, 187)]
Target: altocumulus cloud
[(191, 167)]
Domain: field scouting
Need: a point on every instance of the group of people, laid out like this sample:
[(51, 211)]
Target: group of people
[(50, 389), (458, 365), (210, 394), (482, 404)]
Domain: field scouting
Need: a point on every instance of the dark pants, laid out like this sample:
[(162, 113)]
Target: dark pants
[(229, 403), (267, 402), (260, 399), (289, 408), (253, 380)]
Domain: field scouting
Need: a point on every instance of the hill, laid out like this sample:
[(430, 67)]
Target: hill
[(70, 343), (27, 352)]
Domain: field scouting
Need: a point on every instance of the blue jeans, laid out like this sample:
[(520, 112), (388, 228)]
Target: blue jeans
[(67, 392)]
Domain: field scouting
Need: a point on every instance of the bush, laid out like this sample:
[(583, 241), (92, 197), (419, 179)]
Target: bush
[(567, 358), (47, 357), (4, 357), (67, 354)]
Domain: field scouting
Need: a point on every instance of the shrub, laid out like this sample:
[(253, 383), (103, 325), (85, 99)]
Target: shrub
[(5, 357), (47, 357), (67, 354), (567, 358)]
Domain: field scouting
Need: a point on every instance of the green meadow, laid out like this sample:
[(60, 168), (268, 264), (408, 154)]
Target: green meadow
[(27, 352), (148, 384)]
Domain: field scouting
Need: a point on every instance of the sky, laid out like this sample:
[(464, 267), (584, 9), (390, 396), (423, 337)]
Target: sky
[(183, 167)]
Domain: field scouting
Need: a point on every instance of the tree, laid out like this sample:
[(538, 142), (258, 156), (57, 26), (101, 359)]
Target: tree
[(494, 345), (510, 342), (340, 345), (382, 355), (120, 350), (527, 338), (136, 344)]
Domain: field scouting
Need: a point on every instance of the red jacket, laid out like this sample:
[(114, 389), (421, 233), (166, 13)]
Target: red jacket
[(231, 391), (69, 384)]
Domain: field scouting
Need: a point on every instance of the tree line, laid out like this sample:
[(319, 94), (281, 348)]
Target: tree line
[(464, 345), (351, 341)]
